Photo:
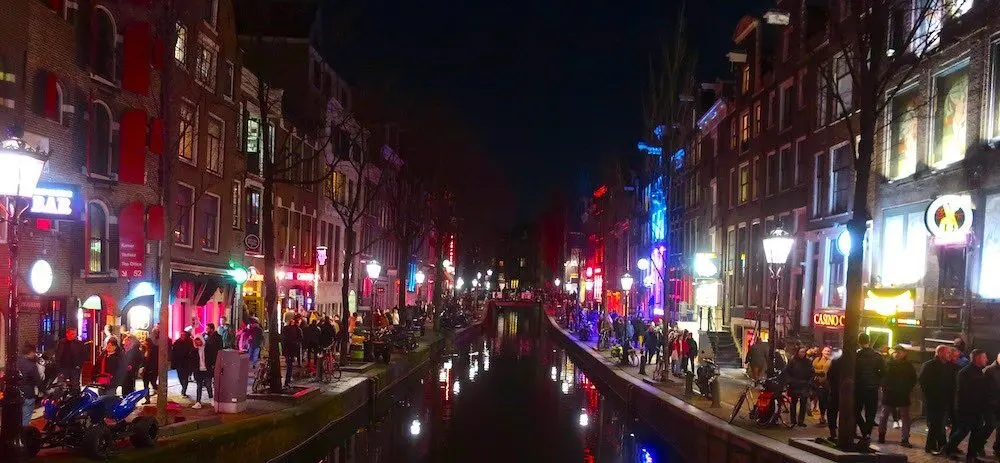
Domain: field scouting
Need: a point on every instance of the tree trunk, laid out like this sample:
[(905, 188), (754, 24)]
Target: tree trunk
[(267, 245), (350, 240), (167, 159)]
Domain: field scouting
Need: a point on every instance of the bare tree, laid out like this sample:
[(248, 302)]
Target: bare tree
[(666, 105), (877, 45), (410, 222)]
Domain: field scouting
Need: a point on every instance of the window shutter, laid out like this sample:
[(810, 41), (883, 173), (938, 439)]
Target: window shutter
[(56, 5), (156, 135), (155, 222), (132, 154), (51, 96), (75, 231), (137, 49), (113, 246)]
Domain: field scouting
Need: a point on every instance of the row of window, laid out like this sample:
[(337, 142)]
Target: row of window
[(744, 261), (784, 171)]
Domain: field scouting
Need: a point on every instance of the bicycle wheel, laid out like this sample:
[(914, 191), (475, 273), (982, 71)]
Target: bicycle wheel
[(736, 408)]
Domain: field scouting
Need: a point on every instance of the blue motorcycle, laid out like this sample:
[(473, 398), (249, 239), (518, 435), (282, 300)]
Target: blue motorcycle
[(89, 422)]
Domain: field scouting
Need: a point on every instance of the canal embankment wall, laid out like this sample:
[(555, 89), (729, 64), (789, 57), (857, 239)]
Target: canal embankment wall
[(698, 436)]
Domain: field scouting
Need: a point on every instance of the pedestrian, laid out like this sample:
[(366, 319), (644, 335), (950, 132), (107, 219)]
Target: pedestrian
[(961, 358), (203, 368), (31, 380), (692, 352), (799, 376), (758, 359), (327, 333), (310, 339), (897, 383), (226, 334), (867, 380), (150, 370), (937, 383), (650, 346), (70, 355), (182, 357), (110, 369), (971, 406), (131, 362), (993, 373), (253, 338), (821, 365), (833, 404), (394, 316), (291, 345)]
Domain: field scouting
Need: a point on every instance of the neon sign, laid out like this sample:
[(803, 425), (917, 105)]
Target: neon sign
[(949, 218), (890, 301), (56, 201), (829, 320)]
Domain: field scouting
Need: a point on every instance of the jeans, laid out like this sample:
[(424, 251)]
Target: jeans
[(289, 364), (254, 355), (203, 379), (799, 401), (968, 425), (26, 410), (904, 413), (867, 403), (936, 415), (184, 376)]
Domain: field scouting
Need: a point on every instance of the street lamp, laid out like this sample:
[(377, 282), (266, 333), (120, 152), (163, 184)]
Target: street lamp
[(419, 277), (642, 264), (777, 246), (20, 168), (626, 282), (557, 282), (374, 269), (459, 283)]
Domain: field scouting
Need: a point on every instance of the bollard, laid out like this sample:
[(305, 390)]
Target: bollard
[(688, 383), (716, 394)]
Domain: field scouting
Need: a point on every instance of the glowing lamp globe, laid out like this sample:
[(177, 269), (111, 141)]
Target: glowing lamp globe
[(627, 282), (419, 277), (777, 246), (374, 269), (643, 264), (20, 168)]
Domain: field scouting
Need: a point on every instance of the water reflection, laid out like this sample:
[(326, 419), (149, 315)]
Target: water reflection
[(534, 405)]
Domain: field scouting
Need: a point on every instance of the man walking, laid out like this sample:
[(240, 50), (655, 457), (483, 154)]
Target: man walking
[(867, 380), (992, 372), (70, 355), (937, 382), (650, 345), (971, 404), (898, 382), (291, 346)]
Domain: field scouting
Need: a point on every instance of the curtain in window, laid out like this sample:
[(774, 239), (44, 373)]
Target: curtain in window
[(990, 267)]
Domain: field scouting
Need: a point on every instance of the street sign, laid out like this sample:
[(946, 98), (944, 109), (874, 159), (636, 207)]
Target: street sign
[(252, 242)]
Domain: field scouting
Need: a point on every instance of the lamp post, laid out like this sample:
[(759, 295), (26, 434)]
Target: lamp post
[(777, 246), (373, 269), (626, 282), (419, 279), (20, 168)]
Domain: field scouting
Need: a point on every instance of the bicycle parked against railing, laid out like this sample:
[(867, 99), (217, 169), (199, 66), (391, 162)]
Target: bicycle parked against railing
[(260, 383), (329, 366), (770, 405)]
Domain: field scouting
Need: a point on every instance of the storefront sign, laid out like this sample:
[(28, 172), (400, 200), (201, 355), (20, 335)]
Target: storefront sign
[(57, 201), (949, 218), (829, 319), (131, 241), (252, 242), (41, 276), (890, 301), (707, 294)]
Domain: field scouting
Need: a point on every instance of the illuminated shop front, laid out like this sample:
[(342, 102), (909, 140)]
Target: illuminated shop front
[(197, 300)]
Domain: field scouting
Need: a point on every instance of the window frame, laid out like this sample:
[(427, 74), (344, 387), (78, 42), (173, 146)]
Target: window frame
[(785, 92), (934, 160), (108, 171), (190, 216), (993, 125), (206, 74), (112, 53), (105, 240), (773, 174), (180, 46), (221, 161), (218, 220), (893, 132), (743, 191), (228, 90), (758, 124), (193, 124)]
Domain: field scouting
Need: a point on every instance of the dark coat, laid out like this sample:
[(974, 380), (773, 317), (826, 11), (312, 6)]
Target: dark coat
[(651, 342), (937, 382), (213, 344), (151, 362), (183, 356), (972, 393), (992, 371), (112, 365), (833, 377), (898, 382), (310, 335), (70, 354), (30, 378), (692, 347), (799, 374), (869, 369)]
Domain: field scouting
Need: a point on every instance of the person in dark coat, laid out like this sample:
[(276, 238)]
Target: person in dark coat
[(291, 345), (972, 401), (651, 344), (131, 362), (799, 374), (937, 382), (110, 366), (150, 370), (326, 333), (310, 340), (213, 342), (31, 380), (692, 352), (182, 358), (867, 380), (70, 355), (897, 383), (993, 373)]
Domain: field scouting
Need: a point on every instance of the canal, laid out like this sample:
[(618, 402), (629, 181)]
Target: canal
[(505, 396)]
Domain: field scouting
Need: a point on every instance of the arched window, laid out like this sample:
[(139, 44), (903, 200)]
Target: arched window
[(97, 238), (100, 139), (104, 44)]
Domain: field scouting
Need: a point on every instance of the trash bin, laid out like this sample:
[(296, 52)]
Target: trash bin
[(232, 372)]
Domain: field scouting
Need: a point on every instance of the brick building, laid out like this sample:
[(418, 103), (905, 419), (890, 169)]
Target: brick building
[(81, 80)]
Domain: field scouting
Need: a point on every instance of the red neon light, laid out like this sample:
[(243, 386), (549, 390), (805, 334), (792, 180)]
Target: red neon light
[(600, 191)]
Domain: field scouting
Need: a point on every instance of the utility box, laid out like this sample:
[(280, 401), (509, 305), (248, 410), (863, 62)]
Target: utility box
[(232, 373)]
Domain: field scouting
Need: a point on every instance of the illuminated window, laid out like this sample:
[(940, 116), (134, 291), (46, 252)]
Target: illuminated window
[(836, 275), (747, 77), (926, 28), (904, 248), (205, 63), (745, 127), (951, 97), (184, 214), (994, 122), (905, 133), (253, 211), (740, 271), (180, 47), (187, 145), (990, 262), (959, 7), (758, 120), (734, 134), (744, 179), (97, 237)]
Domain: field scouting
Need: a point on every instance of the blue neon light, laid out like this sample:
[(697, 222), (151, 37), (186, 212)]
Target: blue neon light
[(657, 210), (678, 159), (650, 149), (645, 456), (411, 278), (658, 132)]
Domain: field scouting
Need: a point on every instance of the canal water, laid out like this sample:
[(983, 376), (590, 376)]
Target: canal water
[(506, 396)]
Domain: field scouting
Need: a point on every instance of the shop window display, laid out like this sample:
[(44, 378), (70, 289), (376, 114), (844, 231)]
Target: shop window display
[(950, 117)]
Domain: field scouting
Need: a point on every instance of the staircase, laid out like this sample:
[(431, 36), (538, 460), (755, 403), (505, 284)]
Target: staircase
[(726, 354)]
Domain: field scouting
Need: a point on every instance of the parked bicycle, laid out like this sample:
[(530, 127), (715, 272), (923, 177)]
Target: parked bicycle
[(260, 383), (329, 366)]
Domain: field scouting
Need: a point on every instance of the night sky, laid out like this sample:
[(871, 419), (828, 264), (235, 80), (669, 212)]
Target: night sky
[(552, 89)]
